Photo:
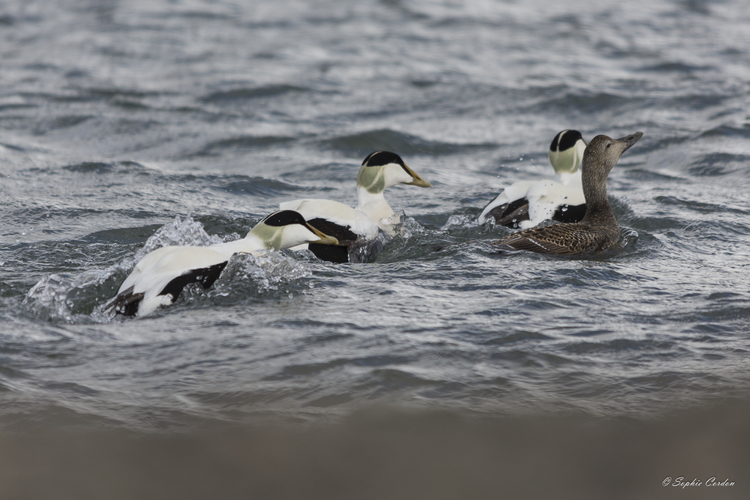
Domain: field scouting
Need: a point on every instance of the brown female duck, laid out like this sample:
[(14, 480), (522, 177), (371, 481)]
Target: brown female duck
[(598, 230)]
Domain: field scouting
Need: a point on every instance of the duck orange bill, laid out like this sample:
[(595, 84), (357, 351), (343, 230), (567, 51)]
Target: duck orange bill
[(324, 238), (418, 181)]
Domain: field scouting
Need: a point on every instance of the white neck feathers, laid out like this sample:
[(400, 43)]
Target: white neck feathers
[(373, 205)]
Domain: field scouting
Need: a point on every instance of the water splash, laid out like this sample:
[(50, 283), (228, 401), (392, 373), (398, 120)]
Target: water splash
[(411, 228), (460, 221), (256, 275), (179, 232), (629, 237), (62, 297), (79, 298)]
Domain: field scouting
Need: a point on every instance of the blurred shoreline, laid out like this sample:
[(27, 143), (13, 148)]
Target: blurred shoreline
[(391, 454)]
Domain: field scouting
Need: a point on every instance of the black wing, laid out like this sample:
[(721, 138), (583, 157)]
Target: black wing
[(569, 213), (126, 302), (342, 233), (333, 253), (510, 214)]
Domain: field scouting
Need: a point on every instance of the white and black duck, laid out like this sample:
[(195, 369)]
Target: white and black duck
[(598, 230), (525, 204), (159, 278), (361, 231)]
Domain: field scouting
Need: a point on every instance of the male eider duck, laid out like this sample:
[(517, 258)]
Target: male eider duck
[(527, 203), (158, 279), (598, 230), (359, 228)]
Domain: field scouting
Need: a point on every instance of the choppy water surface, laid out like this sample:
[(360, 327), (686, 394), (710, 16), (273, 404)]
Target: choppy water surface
[(125, 126)]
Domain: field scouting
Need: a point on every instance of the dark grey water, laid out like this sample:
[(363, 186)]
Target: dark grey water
[(193, 119)]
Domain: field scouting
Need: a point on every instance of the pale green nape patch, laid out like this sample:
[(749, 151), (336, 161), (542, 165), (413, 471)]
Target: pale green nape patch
[(269, 235), (371, 179), (567, 161)]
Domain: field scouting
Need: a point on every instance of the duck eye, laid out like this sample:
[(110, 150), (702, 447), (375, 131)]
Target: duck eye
[(608, 145)]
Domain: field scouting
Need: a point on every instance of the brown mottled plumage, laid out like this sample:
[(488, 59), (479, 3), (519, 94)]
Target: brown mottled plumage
[(598, 230)]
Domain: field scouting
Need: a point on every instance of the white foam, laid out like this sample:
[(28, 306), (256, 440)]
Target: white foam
[(53, 296)]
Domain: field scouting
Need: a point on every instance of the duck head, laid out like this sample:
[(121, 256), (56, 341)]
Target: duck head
[(603, 152), (383, 169), (287, 228), (600, 156), (566, 152)]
